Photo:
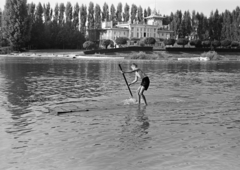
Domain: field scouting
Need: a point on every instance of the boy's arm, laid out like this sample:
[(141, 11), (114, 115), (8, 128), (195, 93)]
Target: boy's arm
[(130, 71), (134, 81)]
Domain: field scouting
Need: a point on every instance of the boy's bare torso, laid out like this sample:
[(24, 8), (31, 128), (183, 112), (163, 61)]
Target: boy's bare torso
[(139, 73)]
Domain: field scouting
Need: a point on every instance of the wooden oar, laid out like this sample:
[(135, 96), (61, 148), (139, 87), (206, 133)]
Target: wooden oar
[(126, 81)]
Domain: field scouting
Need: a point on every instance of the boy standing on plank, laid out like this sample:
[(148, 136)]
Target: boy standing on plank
[(144, 84)]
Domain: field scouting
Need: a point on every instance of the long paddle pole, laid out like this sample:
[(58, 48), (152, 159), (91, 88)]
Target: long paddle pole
[(126, 81)]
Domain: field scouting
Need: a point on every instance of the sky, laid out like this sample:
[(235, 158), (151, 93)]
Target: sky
[(165, 7)]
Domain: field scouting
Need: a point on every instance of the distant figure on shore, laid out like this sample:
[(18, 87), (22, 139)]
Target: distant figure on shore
[(144, 84)]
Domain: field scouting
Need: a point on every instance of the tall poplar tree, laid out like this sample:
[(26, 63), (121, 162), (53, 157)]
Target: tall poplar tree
[(186, 24), (91, 16), (149, 11), (227, 25), (126, 14), (216, 26), (145, 15), (17, 23), (61, 14), (54, 27), (37, 32), (69, 12), (97, 19), (113, 14), (133, 13), (47, 12), (236, 24), (83, 19), (76, 16), (119, 12), (205, 27), (105, 12), (56, 13), (140, 14), (31, 10)]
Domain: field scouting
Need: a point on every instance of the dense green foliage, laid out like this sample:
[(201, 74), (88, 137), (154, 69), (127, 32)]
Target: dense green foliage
[(216, 43), (97, 18), (182, 41), (91, 16), (219, 26), (133, 13), (196, 43), (41, 27), (126, 14), (113, 14), (235, 44), (106, 43), (105, 12), (206, 43), (226, 43), (169, 42), (119, 12), (17, 23), (64, 26), (89, 45), (149, 41), (121, 40)]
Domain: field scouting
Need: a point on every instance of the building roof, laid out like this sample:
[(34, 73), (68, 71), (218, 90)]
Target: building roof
[(154, 16)]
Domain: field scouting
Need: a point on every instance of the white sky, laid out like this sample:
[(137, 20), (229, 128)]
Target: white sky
[(164, 6)]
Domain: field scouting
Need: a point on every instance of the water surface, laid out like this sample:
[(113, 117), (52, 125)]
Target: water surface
[(192, 121)]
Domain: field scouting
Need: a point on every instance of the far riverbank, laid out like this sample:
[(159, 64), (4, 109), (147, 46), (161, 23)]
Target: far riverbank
[(153, 55)]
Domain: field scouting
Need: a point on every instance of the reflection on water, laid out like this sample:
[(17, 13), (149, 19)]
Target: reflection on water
[(192, 121)]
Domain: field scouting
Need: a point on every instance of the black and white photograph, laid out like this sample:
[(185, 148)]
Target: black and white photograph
[(120, 85)]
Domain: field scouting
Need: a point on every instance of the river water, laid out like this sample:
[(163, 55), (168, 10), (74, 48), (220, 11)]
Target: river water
[(192, 121)]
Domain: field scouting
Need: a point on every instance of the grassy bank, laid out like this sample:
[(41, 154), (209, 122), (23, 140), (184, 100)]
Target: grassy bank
[(164, 55), (55, 52), (153, 55)]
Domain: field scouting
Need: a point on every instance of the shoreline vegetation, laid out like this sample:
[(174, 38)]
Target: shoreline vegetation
[(72, 26), (153, 55)]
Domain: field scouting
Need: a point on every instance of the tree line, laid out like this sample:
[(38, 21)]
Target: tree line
[(64, 26), (218, 26), (39, 26)]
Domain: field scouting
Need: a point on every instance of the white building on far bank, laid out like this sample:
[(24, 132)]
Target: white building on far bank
[(152, 28)]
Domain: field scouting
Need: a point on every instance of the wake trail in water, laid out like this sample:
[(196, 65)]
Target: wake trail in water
[(130, 101)]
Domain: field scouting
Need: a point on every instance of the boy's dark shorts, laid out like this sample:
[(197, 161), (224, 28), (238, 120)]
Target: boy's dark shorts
[(145, 82)]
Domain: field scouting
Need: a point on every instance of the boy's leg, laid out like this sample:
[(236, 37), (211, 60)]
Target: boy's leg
[(142, 88), (138, 94)]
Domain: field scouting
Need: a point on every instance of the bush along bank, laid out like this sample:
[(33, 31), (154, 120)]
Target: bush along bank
[(206, 56), (6, 50), (202, 46)]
